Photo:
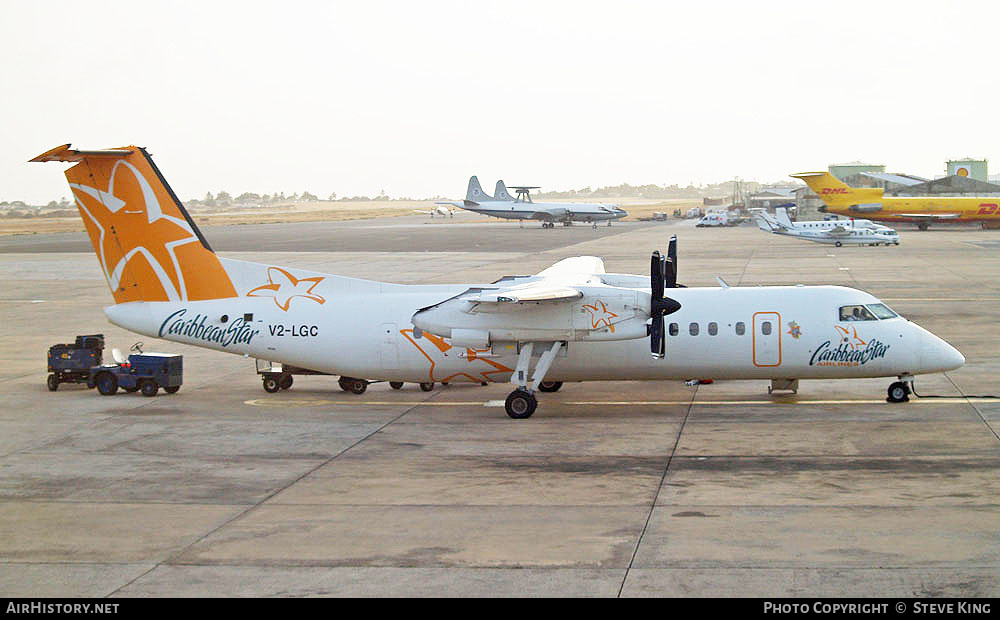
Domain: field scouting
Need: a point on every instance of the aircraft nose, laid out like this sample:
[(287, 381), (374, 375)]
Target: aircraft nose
[(936, 355)]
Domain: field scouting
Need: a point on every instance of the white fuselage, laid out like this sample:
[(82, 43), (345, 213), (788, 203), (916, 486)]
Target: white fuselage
[(364, 329), (857, 236), (548, 211)]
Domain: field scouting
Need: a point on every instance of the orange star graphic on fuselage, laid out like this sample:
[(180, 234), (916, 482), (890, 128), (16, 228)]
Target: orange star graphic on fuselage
[(440, 348), (857, 342), (284, 287), (605, 315)]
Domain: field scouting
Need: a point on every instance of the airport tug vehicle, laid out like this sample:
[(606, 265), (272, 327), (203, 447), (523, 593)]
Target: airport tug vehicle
[(141, 372)]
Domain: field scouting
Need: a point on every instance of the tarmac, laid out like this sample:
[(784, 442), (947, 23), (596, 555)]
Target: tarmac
[(611, 489)]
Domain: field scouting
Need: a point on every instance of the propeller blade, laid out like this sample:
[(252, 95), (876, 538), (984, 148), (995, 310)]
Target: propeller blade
[(656, 277), (657, 338), (671, 275)]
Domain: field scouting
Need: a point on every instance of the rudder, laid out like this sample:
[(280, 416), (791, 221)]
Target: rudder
[(147, 244), (475, 192), (501, 193), (835, 192)]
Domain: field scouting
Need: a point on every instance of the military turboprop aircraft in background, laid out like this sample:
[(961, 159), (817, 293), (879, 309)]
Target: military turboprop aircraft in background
[(842, 199), (570, 322), (503, 206), (837, 232)]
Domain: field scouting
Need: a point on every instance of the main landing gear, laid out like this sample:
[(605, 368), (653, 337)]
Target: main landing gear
[(350, 384), (521, 403)]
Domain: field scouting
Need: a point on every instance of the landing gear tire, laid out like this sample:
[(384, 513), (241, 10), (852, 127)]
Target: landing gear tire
[(549, 386), (838, 244), (149, 388), (285, 381), (520, 404), (396, 385), (923, 226), (107, 383), (52, 382), (358, 386), (899, 392), (271, 385), (427, 386)]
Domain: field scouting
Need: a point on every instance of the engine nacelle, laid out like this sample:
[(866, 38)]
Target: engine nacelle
[(601, 313)]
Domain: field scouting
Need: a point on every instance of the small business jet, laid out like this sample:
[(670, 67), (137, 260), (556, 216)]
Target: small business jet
[(503, 205), (570, 322), (439, 210), (837, 232)]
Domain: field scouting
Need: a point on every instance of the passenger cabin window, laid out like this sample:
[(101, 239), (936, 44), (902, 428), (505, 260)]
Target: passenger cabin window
[(856, 313), (741, 328), (765, 328), (693, 329), (673, 329), (713, 329)]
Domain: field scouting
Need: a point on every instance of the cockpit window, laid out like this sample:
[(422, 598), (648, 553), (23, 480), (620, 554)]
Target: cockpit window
[(882, 311), (856, 313)]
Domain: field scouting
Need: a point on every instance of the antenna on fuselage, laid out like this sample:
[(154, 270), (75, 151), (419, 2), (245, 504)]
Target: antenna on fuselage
[(524, 192)]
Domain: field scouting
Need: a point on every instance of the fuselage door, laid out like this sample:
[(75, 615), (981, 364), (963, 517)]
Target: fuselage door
[(766, 339), (388, 348)]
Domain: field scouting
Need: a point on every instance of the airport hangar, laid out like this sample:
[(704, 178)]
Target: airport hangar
[(628, 488)]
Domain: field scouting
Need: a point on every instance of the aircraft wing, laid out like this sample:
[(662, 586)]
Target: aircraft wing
[(458, 204), (537, 292), (838, 231), (576, 266)]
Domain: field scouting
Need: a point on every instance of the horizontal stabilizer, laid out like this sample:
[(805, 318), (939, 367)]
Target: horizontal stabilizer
[(65, 153)]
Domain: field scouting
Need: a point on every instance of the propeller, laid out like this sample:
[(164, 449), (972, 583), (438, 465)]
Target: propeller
[(670, 275), (661, 270)]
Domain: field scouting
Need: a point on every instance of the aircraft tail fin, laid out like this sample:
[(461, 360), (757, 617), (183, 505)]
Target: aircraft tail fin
[(501, 193), (147, 244), (835, 193), (764, 221), (475, 192), (781, 214)]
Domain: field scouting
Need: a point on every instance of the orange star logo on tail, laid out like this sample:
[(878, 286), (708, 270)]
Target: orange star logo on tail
[(142, 241), (284, 287), (148, 246)]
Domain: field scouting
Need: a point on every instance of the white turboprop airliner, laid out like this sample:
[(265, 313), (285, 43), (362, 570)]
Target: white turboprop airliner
[(837, 232), (571, 322), (504, 206)]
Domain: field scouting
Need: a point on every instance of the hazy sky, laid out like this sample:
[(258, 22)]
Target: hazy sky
[(414, 97)]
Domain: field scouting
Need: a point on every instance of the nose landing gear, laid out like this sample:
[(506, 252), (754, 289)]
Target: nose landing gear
[(899, 391)]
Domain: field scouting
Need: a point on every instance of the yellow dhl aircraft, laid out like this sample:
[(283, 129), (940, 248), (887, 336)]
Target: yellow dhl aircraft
[(843, 199)]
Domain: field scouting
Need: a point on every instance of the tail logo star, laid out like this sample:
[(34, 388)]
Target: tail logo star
[(284, 287)]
